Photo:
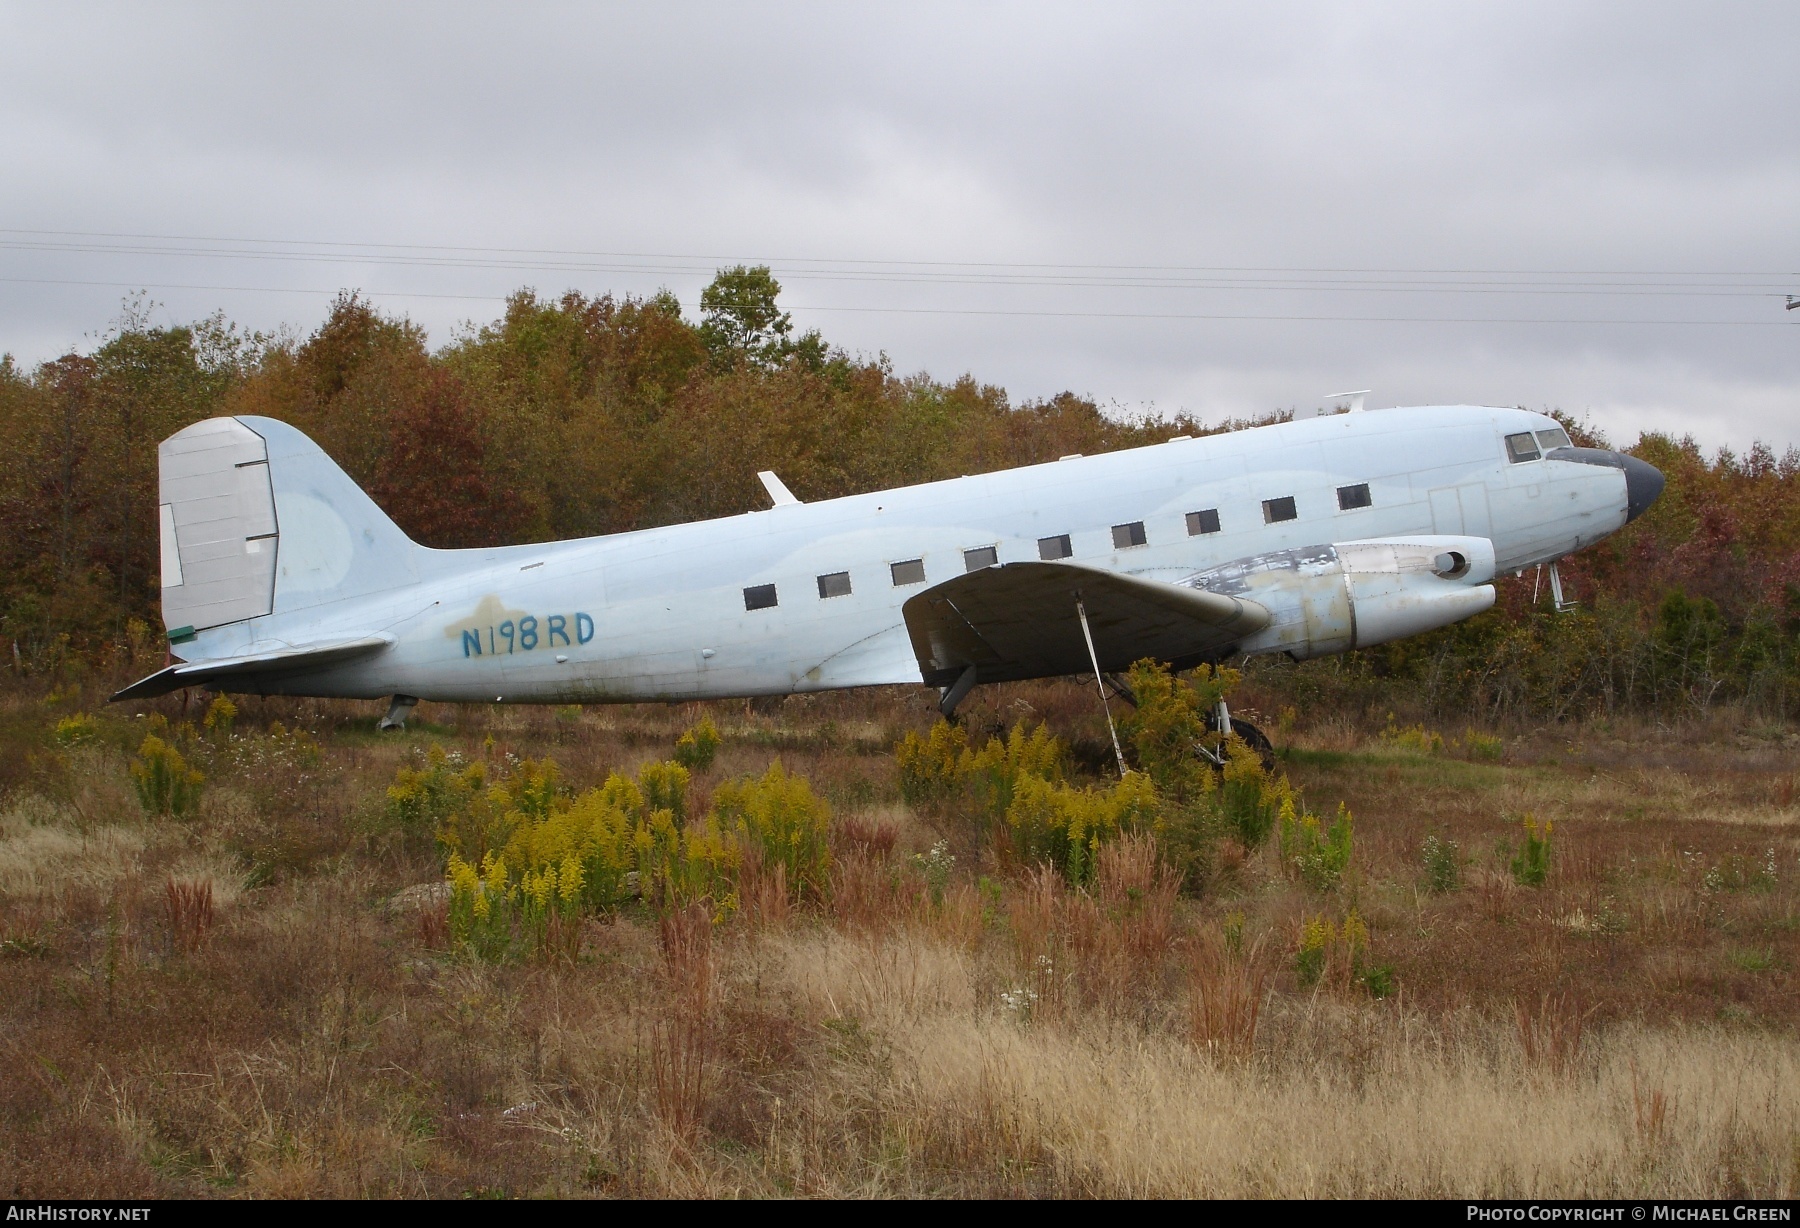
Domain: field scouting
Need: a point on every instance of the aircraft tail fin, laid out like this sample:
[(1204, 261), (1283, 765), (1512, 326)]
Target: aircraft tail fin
[(257, 520)]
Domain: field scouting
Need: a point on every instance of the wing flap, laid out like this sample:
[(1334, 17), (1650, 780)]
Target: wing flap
[(1018, 620), (275, 660)]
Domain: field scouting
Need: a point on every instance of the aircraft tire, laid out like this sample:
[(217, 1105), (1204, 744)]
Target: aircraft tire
[(1256, 740)]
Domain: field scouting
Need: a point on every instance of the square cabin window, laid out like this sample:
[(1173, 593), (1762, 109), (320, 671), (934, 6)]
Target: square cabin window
[(837, 584), (1203, 522), (1125, 536), (1054, 547), (1277, 510), (760, 597), (1555, 437), (908, 571), (1521, 447), (981, 556), (1352, 497)]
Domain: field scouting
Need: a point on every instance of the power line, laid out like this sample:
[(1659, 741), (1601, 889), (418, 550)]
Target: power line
[(963, 311), (710, 261)]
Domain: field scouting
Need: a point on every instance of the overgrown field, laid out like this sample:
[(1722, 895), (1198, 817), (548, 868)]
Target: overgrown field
[(581, 952)]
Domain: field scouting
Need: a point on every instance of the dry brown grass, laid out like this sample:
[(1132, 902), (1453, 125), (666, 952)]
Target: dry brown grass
[(1627, 1029)]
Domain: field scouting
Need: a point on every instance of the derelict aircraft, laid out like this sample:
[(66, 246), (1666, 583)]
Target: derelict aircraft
[(1315, 536)]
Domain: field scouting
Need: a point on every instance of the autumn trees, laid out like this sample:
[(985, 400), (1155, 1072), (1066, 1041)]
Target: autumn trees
[(579, 415)]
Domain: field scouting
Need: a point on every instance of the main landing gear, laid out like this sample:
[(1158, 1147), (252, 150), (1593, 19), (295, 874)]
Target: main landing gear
[(1221, 720)]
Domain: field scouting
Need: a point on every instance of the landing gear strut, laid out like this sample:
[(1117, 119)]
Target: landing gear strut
[(1220, 720)]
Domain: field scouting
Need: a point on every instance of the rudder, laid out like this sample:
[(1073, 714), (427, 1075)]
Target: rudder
[(258, 520)]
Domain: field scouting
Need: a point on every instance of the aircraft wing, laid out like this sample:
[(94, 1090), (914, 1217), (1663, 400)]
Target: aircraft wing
[(275, 660), (1018, 620)]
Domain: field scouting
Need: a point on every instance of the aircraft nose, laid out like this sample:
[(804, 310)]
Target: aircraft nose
[(1643, 484)]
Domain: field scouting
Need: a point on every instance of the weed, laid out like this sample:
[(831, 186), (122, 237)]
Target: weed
[(1413, 738), (782, 816), (1226, 993), (698, 745), (1378, 979), (1169, 725), (190, 907), (221, 716), (1331, 954), (1531, 864), (928, 765), (1064, 827), (1233, 932), (935, 865), (1250, 796), (1551, 1031), (78, 729), (942, 767), (1650, 1110), (1484, 746), (1443, 864), (1318, 855), (165, 782)]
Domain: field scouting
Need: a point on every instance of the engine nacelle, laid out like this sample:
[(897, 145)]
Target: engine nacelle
[(1331, 598)]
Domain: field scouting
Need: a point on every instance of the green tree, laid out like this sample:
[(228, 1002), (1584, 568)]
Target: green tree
[(740, 321)]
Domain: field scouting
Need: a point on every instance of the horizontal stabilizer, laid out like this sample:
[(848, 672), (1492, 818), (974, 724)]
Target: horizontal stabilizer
[(1018, 620), (276, 660)]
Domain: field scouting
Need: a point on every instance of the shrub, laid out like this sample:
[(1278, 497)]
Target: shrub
[(935, 866), (990, 776), (1531, 865), (789, 825), (1251, 798), (1332, 954), (525, 861), (424, 799), (1170, 725), (1318, 855), (696, 748), (1064, 826), (928, 765), (1443, 864), (665, 786), (942, 767), (221, 715), (76, 730), (1484, 746), (1413, 737), (165, 783)]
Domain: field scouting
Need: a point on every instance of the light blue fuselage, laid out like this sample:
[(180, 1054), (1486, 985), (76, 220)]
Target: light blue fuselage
[(660, 614)]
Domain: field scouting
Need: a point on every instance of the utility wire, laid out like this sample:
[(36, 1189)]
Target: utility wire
[(711, 260), (958, 311)]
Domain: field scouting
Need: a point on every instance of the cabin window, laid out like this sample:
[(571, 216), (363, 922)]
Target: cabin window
[(1276, 510), (1054, 547), (908, 571), (1521, 447), (1352, 497), (1203, 522), (760, 597), (981, 556), (1125, 536), (1555, 437), (837, 584)]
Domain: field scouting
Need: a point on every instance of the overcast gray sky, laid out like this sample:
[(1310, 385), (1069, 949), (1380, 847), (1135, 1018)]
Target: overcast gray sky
[(1221, 209)]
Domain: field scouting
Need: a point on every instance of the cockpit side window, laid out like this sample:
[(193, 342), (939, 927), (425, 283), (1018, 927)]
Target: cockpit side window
[(1555, 437), (1521, 447)]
